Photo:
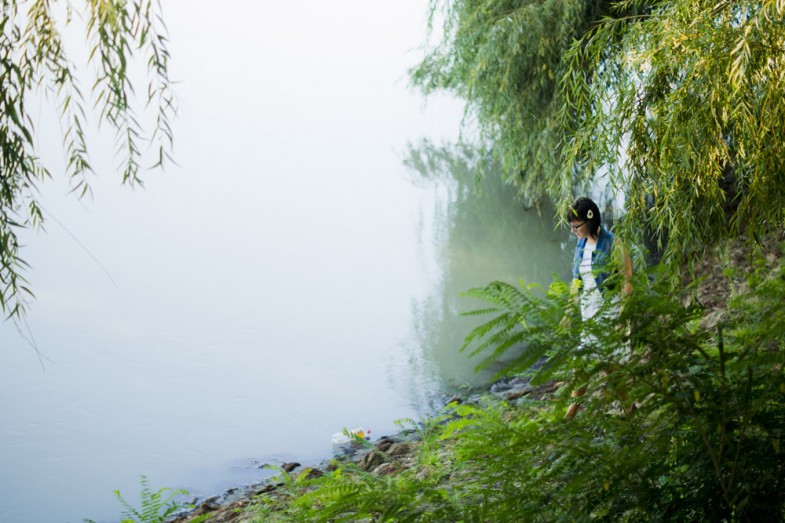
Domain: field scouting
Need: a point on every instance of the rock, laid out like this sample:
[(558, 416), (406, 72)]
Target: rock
[(538, 392), (371, 460), (457, 400), (474, 399), (384, 443), (310, 473), (423, 474), (230, 513), (288, 467), (407, 462), (264, 489), (500, 386), (506, 384), (385, 469), (400, 449), (210, 504), (510, 396)]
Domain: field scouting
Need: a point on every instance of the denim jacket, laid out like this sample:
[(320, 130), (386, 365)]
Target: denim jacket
[(599, 258)]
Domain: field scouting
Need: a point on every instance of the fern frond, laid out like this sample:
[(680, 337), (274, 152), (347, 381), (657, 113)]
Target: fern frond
[(155, 507), (524, 322)]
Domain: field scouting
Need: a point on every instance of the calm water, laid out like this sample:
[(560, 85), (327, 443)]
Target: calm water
[(298, 273)]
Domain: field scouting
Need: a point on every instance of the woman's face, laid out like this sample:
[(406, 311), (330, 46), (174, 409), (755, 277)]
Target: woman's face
[(581, 229)]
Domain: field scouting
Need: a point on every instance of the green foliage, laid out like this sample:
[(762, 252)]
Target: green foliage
[(674, 103), (506, 59), (526, 324), (702, 443), (34, 64), (686, 117), (155, 506), (413, 494)]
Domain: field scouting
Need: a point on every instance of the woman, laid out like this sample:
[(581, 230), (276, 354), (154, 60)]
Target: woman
[(592, 260), (595, 252)]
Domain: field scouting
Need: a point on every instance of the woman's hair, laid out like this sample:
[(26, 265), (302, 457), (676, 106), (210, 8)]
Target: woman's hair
[(585, 210)]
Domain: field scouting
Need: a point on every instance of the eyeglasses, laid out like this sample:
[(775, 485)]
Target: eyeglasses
[(576, 227)]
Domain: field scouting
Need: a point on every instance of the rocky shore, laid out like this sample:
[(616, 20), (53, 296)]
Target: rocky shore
[(394, 453), (387, 455)]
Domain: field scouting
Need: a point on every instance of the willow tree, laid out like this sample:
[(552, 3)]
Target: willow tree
[(679, 103), (687, 113), (34, 64), (507, 59)]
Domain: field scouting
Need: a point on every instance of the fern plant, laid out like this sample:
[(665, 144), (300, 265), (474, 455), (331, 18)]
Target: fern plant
[(155, 506), (526, 324), (704, 442)]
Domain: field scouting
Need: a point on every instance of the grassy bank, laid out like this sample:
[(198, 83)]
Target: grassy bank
[(681, 418)]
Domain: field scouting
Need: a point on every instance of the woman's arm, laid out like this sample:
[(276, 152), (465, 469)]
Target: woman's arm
[(625, 264)]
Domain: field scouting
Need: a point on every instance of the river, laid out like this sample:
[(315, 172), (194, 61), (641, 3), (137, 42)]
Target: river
[(297, 272)]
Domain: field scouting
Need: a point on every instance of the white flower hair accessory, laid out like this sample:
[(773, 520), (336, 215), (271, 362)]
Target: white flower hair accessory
[(589, 215)]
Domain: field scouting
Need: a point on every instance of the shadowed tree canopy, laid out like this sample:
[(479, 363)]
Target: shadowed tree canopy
[(679, 103), (34, 64)]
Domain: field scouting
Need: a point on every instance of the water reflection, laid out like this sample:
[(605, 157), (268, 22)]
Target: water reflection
[(482, 233)]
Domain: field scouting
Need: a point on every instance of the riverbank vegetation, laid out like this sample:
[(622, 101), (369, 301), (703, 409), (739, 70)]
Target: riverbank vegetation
[(675, 107), (681, 420)]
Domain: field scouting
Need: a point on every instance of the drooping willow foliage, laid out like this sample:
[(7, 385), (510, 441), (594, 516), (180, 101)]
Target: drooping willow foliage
[(34, 64), (507, 59), (678, 102), (689, 115)]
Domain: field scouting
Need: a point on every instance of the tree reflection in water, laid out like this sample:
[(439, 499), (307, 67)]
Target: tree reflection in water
[(481, 233)]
